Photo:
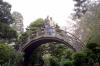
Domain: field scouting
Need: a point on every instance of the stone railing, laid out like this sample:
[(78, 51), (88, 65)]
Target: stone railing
[(66, 36)]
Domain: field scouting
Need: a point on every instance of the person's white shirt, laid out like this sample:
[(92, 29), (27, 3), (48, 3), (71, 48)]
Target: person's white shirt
[(52, 23)]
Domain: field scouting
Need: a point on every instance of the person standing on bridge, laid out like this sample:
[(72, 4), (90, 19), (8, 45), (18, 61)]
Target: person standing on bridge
[(52, 27), (47, 26)]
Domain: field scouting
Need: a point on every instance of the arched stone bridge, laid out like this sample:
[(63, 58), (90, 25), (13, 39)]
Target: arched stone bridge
[(37, 38)]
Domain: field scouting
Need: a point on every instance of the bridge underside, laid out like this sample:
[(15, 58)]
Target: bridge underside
[(32, 45)]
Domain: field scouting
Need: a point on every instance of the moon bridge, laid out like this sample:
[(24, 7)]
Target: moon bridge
[(39, 37), (60, 36)]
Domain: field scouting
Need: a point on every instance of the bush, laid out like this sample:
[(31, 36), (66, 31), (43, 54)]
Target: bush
[(68, 63), (8, 55), (54, 62), (91, 45), (79, 58)]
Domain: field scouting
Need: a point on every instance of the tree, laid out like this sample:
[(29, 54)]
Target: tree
[(18, 22), (9, 56), (79, 58), (89, 56), (80, 7), (36, 24), (88, 26), (6, 32), (5, 15)]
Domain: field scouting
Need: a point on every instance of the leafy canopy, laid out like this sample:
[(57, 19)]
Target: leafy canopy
[(6, 32), (5, 15), (9, 55)]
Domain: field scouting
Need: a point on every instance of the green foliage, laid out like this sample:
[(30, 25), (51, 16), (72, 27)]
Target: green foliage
[(91, 45), (5, 15), (58, 50), (46, 58), (36, 24), (96, 64), (54, 61), (88, 57), (53, 53), (80, 7), (8, 55), (68, 63), (97, 49), (17, 22), (6, 32), (35, 58), (1, 0), (94, 47), (33, 27), (79, 57), (95, 38), (88, 25)]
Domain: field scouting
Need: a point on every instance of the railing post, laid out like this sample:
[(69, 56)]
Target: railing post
[(29, 37), (20, 47), (37, 33)]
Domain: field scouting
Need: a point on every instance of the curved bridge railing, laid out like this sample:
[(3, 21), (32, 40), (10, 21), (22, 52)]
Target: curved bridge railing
[(66, 36)]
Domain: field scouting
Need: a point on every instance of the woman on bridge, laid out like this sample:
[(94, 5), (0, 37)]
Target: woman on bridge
[(52, 27), (47, 26)]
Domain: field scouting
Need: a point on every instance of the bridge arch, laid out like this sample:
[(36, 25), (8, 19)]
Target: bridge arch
[(43, 40), (33, 44), (30, 43)]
